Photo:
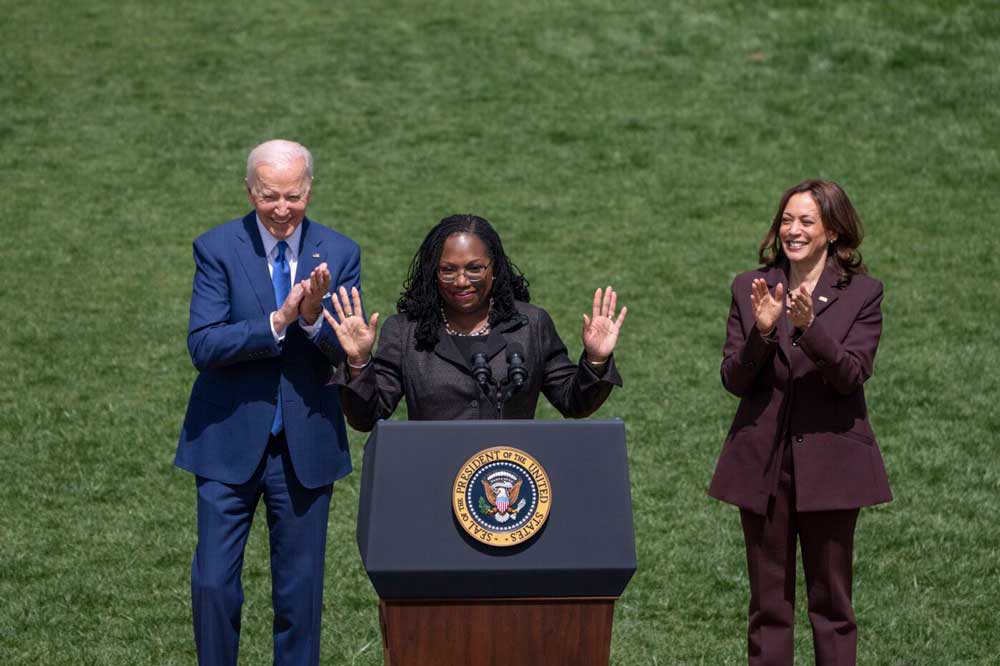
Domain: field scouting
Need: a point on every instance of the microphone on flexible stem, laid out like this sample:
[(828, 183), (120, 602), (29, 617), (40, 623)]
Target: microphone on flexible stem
[(517, 372), (517, 375), (481, 370)]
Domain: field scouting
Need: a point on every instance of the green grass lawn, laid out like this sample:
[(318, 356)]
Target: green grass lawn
[(643, 145)]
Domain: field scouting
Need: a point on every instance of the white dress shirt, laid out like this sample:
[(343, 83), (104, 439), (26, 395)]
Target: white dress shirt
[(292, 256)]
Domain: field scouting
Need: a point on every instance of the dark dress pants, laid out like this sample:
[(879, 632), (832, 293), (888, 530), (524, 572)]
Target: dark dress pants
[(827, 539), (296, 520)]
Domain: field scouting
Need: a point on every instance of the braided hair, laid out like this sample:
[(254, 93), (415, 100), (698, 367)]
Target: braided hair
[(420, 299)]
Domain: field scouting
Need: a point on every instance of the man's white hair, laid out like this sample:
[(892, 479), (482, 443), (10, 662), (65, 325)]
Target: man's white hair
[(278, 153)]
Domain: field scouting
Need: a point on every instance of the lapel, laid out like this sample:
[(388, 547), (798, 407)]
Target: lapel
[(826, 290), (447, 350), (495, 342), (310, 252), (250, 249), (774, 275)]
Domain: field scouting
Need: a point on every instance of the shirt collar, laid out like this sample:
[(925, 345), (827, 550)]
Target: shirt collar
[(270, 242)]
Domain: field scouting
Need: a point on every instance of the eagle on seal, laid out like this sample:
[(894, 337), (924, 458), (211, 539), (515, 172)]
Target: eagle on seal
[(502, 499)]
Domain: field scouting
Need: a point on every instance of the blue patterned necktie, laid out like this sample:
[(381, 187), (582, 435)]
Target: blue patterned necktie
[(281, 280)]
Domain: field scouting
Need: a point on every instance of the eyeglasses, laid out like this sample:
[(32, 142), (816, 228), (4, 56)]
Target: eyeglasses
[(474, 273)]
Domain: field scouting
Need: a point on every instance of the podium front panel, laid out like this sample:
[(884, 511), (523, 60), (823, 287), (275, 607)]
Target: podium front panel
[(413, 547)]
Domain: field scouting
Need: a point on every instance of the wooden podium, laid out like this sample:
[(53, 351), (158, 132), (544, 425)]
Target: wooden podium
[(498, 632), (447, 599)]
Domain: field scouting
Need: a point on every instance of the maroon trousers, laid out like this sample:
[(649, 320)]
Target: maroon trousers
[(827, 539)]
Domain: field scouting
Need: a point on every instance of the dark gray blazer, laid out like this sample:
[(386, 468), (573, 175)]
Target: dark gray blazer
[(438, 384)]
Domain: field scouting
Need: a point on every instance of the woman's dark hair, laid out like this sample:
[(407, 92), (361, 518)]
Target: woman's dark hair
[(420, 300), (838, 216)]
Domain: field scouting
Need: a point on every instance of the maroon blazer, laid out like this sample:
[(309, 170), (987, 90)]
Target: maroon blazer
[(804, 391)]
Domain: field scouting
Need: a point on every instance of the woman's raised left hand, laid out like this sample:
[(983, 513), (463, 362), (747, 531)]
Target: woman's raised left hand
[(600, 329), (800, 308)]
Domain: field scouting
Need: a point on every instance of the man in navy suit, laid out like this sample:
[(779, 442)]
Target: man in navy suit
[(262, 421)]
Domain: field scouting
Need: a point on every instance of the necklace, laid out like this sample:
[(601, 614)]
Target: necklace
[(482, 330)]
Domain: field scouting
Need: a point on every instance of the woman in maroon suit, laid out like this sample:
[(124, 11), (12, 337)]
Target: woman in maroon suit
[(800, 458)]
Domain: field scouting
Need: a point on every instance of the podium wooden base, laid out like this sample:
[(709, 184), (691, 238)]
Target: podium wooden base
[(496, 632)]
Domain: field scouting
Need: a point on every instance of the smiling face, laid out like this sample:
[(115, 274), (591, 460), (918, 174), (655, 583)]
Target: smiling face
[(803, 237), (462, 254), (279, 193)]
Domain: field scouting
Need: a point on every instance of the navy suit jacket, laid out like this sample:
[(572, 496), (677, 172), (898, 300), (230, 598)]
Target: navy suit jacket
[(234, 397)]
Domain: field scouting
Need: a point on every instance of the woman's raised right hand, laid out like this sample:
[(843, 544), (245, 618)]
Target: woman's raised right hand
[(356, 336), (767, 309)]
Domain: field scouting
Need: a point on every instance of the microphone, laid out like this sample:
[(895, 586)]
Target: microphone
[(481, 370), (517, 372)]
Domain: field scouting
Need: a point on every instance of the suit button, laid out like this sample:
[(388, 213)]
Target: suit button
[(798, 438), (474, 403), (795, 344)]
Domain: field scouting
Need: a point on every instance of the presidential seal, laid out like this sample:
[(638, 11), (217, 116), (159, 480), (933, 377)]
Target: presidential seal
[(501, 496)]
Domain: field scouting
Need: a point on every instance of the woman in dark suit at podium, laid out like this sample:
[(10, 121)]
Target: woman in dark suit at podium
[(800, 457), (464, 311)]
